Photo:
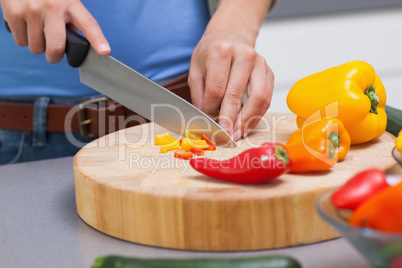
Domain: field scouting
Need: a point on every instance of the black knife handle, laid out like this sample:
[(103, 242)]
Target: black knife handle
[(77, 47)]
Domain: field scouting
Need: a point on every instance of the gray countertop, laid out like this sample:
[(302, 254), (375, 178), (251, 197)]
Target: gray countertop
[(40, 227)]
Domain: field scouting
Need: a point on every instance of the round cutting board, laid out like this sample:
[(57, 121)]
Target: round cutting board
[(127, 189)]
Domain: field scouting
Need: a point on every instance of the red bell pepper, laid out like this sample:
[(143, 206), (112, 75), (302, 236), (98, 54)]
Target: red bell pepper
[(359, 188), (253, 166), (396, 262), (381, 212)]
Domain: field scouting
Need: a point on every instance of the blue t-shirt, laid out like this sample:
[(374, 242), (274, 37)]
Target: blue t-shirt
[(154, 37)]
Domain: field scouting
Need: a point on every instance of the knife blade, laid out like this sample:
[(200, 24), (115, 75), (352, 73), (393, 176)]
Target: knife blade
[(119, 82), (138, 93)]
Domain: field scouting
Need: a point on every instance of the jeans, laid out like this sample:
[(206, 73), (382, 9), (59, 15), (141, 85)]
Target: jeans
[(20, 146)]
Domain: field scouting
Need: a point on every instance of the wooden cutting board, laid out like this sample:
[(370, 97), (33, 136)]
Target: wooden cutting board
[(127, 189)]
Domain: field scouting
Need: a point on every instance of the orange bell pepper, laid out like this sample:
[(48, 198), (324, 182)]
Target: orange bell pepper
[(381, 212), (317, 156), (331, 129), (318, 146)]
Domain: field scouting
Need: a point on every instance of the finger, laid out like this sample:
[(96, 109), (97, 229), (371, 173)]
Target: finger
[(252, 122), (36, 38), (238, 79), (55, 36), (87, 24), (196, 84), (259, 99), (216, 79), (18, 28), (72, 27)]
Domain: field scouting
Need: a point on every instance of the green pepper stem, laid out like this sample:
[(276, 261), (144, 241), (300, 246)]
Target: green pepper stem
[(373, 97), (281, 154), (331, 151), (334, 138)]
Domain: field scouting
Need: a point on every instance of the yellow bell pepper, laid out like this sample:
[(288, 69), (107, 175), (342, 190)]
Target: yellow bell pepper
[(398, 142), (352, 92)]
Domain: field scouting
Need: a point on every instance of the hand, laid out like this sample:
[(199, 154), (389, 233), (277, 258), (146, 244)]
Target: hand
[(40, 24), (223, 67)]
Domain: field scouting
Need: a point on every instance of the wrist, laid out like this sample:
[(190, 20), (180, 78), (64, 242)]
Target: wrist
[(239, 18)]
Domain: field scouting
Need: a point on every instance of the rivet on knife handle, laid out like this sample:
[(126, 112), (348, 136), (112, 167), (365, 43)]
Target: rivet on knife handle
[(77, 48)]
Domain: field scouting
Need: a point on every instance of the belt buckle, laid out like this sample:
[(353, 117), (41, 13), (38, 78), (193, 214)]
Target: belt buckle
[(83, 121)]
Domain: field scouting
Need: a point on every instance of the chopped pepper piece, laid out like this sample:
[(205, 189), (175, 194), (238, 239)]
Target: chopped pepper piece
[(182, 154), (187, 144), (197, 151), (170, 147), (164, 139), (190, 135), (208, 140), (210, 148)]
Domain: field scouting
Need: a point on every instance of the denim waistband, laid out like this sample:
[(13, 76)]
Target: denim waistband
[(52, 100)]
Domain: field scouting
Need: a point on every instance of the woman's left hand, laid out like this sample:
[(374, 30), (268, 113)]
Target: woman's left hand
[(225, 66)]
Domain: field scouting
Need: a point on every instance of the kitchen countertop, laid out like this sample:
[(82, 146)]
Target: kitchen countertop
[(40, 227)]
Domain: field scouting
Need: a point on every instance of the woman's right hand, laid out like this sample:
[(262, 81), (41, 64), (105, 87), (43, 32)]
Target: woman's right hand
[(41, 25)]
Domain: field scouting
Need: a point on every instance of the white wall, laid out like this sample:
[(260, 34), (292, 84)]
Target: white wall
[(297, 47)]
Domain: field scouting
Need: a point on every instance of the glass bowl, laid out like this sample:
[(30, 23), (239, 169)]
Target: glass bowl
[(381, 249), (397, 156)]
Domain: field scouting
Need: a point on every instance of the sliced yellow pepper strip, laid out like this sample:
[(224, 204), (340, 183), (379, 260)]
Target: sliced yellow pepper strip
[(170, 147), (190, 135), (164, 139), (187, 144)]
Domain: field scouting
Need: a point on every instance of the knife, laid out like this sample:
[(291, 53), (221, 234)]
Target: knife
[(138, 93)]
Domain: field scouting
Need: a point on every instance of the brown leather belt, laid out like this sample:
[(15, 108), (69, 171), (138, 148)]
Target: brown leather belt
[(92, 118)]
